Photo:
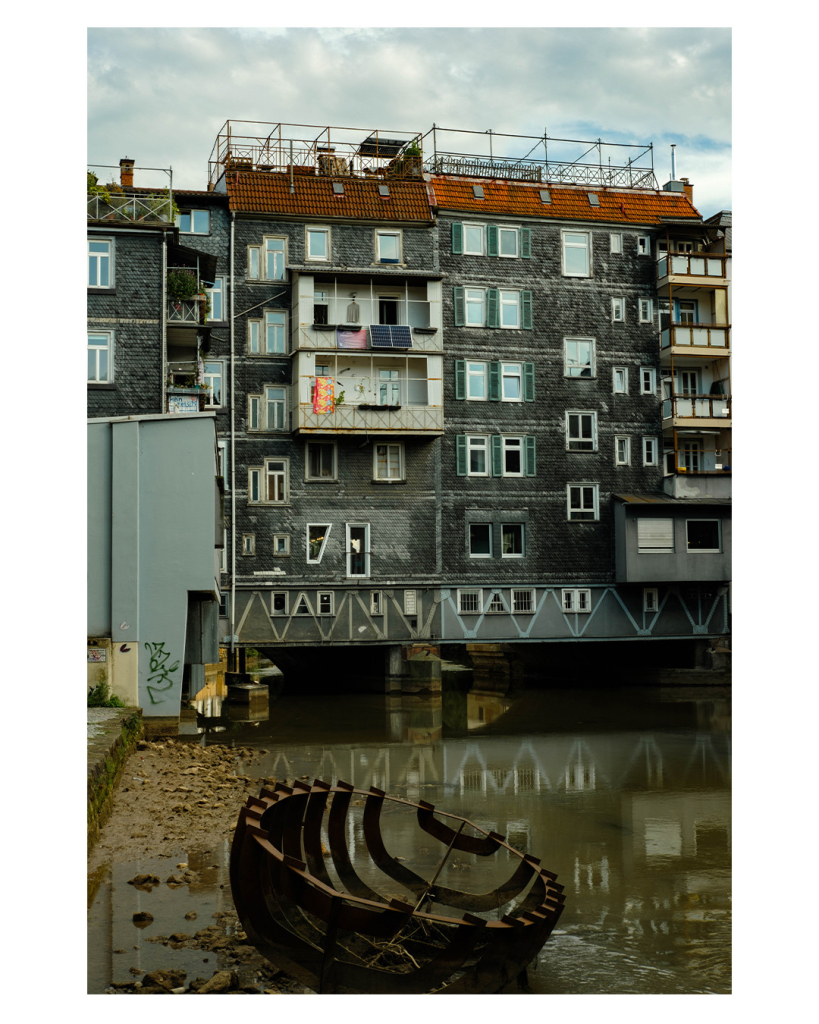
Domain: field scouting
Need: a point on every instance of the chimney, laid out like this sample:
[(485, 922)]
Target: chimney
[(688, 189), (126, 172)]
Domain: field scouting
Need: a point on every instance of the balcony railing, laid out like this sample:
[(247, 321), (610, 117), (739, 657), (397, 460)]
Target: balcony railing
[(691, 264), (397, 404), (713, 336), (699, 460), (185, 311), (697, 407), (132, 209)]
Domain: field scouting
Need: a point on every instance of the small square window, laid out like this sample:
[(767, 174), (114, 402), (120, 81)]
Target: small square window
[(582, 502), (326, 602), (578, 601), (644, 245), (388, 462), (655, 535), (384, 190), (545, 196), (338, 188), (477, 191), (470, 602), (480, 540), (281, 544), (702, 534), (279, 602), (194, 222), (579, 357), (496, 605), (593, 199), (318, 244), (581, 431), (523, 602)]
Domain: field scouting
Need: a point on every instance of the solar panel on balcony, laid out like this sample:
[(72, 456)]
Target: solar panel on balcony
[(390, 336)]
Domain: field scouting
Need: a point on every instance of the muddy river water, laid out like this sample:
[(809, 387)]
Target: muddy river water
[(625, 794)]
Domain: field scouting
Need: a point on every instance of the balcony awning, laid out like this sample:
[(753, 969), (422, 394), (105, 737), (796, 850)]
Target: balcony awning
[(183, 256)]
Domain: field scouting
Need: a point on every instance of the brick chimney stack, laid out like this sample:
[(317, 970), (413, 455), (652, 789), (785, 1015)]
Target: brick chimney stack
[(126, 172), (688, 189)]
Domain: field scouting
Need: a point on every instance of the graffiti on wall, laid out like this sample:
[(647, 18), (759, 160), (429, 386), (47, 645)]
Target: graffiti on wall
[(159, 671)]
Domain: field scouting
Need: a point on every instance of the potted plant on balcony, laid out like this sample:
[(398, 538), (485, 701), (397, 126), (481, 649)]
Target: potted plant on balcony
[(182, 284)]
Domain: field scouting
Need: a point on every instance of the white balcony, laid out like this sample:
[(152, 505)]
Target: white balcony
[(690, 268), (712, 339), (711, 410)]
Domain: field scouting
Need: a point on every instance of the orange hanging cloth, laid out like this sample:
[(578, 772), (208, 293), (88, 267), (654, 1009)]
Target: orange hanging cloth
[(323, 395)]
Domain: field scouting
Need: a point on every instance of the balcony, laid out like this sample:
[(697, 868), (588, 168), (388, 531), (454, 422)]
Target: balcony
[(694, 269), (709, 340), (697, 410), (131, 209)]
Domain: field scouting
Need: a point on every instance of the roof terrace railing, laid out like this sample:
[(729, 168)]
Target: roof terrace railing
[(131, 208)]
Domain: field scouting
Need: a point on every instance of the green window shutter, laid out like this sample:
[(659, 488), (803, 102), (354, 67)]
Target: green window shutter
[(526, 243), (492, 239), (526, 310), (492, 308), (460, 454), (530, 456), (497, 455), (494, 382), (457, 237), (460, 378), (528, 382), (460, 306)]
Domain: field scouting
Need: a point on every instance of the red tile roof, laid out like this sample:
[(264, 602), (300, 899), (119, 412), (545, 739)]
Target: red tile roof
[(519, 199), (266, 192)]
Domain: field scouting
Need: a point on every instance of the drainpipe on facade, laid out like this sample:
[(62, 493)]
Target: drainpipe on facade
[(162, 310), (232, 565)]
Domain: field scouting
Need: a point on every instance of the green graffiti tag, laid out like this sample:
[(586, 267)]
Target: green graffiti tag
[(160, 671)]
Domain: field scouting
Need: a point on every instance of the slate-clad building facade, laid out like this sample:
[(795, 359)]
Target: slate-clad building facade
[(439, 398)]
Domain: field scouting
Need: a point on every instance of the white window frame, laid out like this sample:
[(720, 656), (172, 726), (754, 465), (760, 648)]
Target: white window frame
[(648, 380), (576, 600), (619, 380), (302, 605), (579, 512), (376, 602), (333, 475), (284, 539), (644, 245), (567, 244), (511, 371), (480, 554), (100, 259), (527, 596), (508, 300), (650, 450), (222, 460), (477, 371), (217, 291), (475, 227), (514, 526), (106, 346), (399, 452), (480, 442), (651, 600), (191, 214), (391, 233), (269, 255), (574, 441), (314, 229), (254, 337), (516, 443), (258, 482), (618, 309), (349, 554), (473, 596), (327, 527), (704, 551), (622, 450), (328, 597), (248, 543), (258, 406), (475, 299), (209, 376), (572, 365), (646, 310), (616, 243), (275, 328), (515, 232), (285, 594)]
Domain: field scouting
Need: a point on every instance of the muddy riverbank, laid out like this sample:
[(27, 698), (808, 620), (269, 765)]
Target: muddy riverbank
[(179, 799)]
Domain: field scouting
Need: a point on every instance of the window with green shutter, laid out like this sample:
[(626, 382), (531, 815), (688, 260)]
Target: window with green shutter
[(460, 378), (531, 463), (526, 243), (460, 454), (528, 382), (492, 240), (492, 308), (459, 306), (457, 237), (497, 455), (494, 382), (526, 310)]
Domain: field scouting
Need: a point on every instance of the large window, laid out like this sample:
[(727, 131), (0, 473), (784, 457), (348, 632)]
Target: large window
[(268, 336), (268, 484), (100, 263), (576, 254), (491, 240), (470, 602), (582, 502), (581, 431), (496, 381), (388, 463), (194, 222), (578, 601), (702, 534), (317, 244), (480, 540), (500, 455), (358, 549), (523, 602), (579, 357), (269, 410), (267, 262), (321, 460), (509, 309), (100, 357)]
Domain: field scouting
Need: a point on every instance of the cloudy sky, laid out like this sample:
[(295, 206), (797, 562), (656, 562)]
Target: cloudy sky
[(160, 95)]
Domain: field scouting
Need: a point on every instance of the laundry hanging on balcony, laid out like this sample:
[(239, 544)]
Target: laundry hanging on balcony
[(323, 395), (351, 339)]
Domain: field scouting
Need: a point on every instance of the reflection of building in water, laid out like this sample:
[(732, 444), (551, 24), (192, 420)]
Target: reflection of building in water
[(483, 708), (414, 719)]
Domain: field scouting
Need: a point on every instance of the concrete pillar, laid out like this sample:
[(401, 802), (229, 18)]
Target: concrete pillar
[(492, 670)]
